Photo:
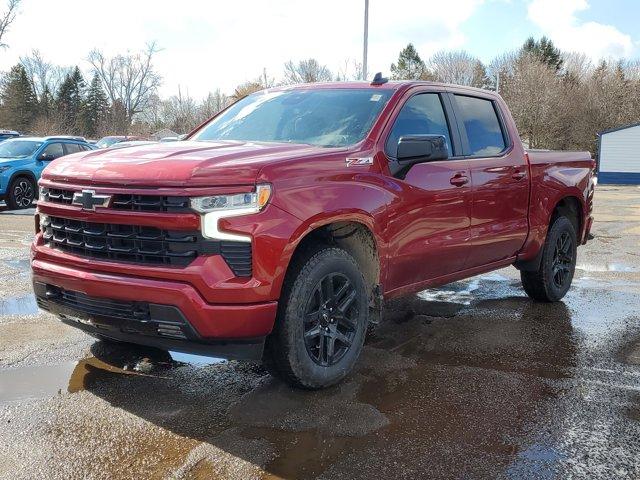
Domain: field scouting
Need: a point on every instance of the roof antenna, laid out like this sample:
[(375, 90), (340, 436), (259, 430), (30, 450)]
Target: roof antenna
[(378, 79)]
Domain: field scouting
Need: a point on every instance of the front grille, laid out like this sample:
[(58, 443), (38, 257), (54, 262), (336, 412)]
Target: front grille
[(150, 203), (57, 195), (129, 243), (125, 201), (142, 245)]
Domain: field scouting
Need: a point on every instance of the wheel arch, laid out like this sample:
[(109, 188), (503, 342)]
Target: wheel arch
[(569, 206), (353, 233), (23, 173)]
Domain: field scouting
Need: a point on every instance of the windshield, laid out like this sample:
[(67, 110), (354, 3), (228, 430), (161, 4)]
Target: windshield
[(323, 117), (18, 148), (107, 142)]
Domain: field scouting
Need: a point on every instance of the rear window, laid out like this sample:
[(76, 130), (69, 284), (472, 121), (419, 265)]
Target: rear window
[(73, 148), (482, 126)]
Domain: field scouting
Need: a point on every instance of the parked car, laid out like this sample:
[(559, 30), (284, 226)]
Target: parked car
[(22, 160), (277, 230), (106, 142), (7, 134), (132, 143)]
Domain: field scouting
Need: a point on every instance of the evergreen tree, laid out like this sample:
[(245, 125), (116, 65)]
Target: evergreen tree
[(46, 104), (19, 104), (69, 100), (410, 66), (94, 108), (545, 51)]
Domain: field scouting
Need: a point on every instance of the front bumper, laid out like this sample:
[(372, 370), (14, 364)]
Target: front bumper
[(205, 325)]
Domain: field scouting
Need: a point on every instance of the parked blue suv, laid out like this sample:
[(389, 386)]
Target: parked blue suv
[(22, 161)]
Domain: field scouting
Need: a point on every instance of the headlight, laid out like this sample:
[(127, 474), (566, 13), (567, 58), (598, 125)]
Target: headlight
[(223, 206)]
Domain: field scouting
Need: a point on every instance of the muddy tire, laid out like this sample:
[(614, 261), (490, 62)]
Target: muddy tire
[(21, 193), (553, 278), (322, 320)]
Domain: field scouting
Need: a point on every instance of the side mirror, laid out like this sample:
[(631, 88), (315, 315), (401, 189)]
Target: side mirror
[(414, 149), (45, 157), (421, 148)]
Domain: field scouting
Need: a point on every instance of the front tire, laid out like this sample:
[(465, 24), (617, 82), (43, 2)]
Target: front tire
[(21, 193), (322, 321), (554, 276)]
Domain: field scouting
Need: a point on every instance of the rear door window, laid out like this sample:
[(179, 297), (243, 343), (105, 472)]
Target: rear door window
[(72, 148), (423, 114), (481, 124)]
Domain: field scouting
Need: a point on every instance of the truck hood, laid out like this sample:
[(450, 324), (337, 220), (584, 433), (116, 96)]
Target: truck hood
[(176, 164)]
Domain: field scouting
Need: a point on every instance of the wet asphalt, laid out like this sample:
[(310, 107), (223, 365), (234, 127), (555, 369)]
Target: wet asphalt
[(471, 380)]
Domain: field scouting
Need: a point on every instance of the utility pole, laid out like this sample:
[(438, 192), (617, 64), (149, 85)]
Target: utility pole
[(366, 39)]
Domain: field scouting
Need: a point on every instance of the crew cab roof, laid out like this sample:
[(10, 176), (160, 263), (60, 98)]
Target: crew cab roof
[(390, 85)]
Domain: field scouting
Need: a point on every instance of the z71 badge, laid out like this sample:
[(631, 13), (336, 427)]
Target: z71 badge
[(359, 161)]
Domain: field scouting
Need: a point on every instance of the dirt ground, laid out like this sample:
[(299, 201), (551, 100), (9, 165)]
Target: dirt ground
[(471, 380)]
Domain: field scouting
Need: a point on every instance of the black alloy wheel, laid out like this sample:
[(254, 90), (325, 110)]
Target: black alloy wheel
[(331, 319), (562, 260)]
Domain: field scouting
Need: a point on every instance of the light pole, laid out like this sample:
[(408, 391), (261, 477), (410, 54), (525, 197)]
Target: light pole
[(366, 39)]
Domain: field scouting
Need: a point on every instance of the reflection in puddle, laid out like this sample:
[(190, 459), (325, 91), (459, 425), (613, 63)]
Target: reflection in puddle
[(25, 305), (44, 381), (28, 383), (467, 291), (609, 267), (195, 360)]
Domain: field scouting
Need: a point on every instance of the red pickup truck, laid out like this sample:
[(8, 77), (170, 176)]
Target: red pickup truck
[(277, 229)]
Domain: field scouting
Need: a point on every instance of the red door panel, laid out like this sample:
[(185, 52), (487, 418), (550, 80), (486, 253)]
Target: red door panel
[(499, 209), (429, 227)]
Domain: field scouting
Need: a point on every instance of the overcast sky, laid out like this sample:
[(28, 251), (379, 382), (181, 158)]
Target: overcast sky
[(210, 44)]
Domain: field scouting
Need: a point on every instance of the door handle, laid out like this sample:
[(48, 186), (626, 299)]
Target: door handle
[(459, 180), (518, 175)]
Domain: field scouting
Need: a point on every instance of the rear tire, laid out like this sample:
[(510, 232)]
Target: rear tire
[(322, 321), (21, 193), (553, 278)]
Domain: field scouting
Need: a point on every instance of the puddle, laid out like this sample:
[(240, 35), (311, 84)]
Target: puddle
[(44, 381), (25, 305), (609, 267), (29, 383), (467, 291)]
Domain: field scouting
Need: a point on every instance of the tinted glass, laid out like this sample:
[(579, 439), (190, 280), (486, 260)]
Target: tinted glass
[(108, 141), (481, 124), (72, 148), (323, 117), (18, 148), (53, 151), (422, 115)]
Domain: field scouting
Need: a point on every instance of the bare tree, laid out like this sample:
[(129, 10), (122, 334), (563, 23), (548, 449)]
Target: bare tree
[(349, 70), (43, 75), (128, 79), (180, 112), (211, 105), (306, 71), (458, 67), (7, 18)]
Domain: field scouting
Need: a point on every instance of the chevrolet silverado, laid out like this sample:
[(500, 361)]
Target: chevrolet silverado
[(277, 230)]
